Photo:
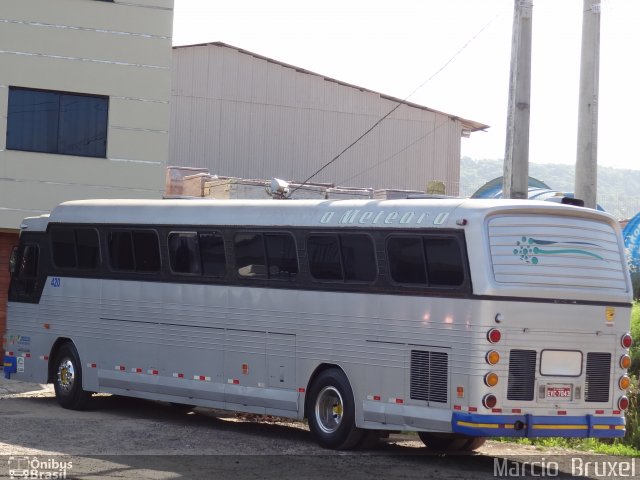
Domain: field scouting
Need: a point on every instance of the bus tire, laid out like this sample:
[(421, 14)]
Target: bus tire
[(371, 439), (331, 411), (67, 380), (449, 442)]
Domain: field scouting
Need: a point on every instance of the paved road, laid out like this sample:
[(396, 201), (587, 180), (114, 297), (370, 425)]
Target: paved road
[(128, 438)]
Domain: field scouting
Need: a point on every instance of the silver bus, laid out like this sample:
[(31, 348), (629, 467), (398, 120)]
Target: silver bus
[(458, 319)]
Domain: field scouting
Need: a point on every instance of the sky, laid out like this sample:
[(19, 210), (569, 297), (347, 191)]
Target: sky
[(395, 46)]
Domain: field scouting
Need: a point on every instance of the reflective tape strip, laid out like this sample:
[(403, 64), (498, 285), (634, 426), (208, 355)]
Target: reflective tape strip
[(473, 409), (202, 378), (560, 427), (396, 400), (152, 372), (136, 370), (93, 365), (457, 407), (178, 375), (44, 357), (375, 398), (301, 390), (26, 355), (233, 381), (121, 368), (516, 410), (478, 425), (10, 354), (608, 427)]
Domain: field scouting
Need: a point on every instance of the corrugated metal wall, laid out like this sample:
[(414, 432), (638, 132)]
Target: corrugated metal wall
[(240, 115)]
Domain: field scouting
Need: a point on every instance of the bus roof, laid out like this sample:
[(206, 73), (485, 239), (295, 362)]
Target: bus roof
[(405, 213)]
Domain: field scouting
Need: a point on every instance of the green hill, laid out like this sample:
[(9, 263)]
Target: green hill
[(618, 189)]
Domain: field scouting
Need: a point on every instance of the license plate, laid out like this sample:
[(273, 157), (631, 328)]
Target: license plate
[(558, 392)]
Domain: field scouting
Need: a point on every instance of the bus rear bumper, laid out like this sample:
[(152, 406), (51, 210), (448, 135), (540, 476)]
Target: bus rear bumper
[(537, 426)]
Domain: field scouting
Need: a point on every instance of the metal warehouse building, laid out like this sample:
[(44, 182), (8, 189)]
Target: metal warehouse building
[(245, 115)]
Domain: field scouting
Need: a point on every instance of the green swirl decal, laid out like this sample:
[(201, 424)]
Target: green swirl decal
[(529, 251)]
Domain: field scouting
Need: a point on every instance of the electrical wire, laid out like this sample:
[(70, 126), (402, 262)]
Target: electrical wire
[(402, 102), (361, 172)]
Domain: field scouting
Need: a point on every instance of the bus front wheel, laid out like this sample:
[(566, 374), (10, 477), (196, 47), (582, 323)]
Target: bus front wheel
[(449, 442), (67, 381), (331, 411)]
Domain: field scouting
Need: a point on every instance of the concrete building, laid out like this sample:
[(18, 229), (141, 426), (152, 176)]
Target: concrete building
[(240, 114), (84, 106)]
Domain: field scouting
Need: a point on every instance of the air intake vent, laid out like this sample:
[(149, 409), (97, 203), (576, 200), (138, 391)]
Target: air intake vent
[(429, 376), (522, 375), (598, 377)]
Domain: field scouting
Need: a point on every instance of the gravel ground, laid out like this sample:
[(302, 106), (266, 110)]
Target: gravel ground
[(121, 437)]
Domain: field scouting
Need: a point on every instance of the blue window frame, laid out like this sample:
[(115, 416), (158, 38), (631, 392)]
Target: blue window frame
[(57, 122)]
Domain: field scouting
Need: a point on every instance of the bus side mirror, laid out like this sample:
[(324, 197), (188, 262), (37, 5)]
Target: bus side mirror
[(13, 260)]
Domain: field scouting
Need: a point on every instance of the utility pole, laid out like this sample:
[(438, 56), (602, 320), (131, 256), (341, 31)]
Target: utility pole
[(516, 157), (587, 151)]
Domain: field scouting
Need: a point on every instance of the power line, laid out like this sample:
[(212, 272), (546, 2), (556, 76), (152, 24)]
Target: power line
[(403, 101), (431, 132)]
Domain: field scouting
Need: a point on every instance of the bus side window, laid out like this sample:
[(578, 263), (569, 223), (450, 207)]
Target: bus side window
[(249, 253), (147, 251), (214, 262), (358, 258), (24, 278), (444, 261), (425, 260), (324, 257), (406, 260), (281, 256), (75, 248), (184, 252), (63, 248), (346, 257), (137, 251)]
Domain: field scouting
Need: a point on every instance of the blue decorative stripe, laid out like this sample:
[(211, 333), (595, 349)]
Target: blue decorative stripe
[(537, 426)]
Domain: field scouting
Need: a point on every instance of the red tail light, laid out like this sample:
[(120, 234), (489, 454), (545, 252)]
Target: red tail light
[(626, 341), (494, 335), (623, 403), (490, 401)]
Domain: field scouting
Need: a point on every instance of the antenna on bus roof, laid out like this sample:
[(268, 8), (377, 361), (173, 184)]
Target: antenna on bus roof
[(279, 189)]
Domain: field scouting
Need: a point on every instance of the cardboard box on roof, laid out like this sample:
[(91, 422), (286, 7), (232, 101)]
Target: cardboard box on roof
[(173, 184)]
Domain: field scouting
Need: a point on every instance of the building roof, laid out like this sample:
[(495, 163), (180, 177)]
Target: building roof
[(470, 125)]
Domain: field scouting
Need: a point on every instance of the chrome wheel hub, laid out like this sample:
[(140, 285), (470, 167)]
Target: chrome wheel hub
[(329, 409), (66, 375)]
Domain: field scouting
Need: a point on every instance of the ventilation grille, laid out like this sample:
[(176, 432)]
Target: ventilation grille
[(598, 377), (429, 376), (522, 375)]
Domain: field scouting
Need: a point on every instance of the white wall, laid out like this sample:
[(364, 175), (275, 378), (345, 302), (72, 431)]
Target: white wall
[(118, 49)]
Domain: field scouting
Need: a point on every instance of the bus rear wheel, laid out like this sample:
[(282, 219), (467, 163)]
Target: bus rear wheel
[(331, 411), (449, 442), (67, 381)]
